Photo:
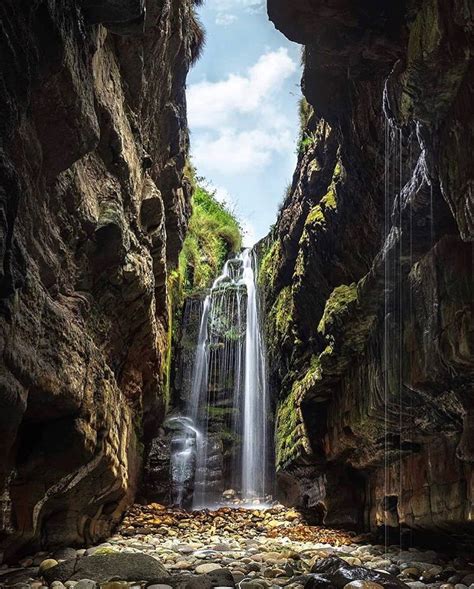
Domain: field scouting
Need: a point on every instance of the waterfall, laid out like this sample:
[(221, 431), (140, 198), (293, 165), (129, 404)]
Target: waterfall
[(228, 402), (255, 393)]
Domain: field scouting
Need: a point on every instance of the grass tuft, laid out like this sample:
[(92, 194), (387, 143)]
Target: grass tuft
[(214, 233)]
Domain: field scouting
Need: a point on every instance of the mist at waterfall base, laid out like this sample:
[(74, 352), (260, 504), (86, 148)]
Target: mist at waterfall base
[(229, 379)]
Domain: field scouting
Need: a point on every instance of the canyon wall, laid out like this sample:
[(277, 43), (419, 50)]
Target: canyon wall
[(367, 275), (93, 209)]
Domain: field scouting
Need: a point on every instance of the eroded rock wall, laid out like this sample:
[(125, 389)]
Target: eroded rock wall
[(367, 276), (94, 206)]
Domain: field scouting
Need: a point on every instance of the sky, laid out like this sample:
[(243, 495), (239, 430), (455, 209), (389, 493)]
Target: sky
[(243, 98)]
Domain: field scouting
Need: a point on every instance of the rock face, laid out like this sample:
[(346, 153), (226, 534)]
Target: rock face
[(367, 277), (94, 207)]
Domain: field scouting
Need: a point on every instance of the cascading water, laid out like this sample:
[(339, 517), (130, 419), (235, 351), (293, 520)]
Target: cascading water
[(228, 402), (255, 394)]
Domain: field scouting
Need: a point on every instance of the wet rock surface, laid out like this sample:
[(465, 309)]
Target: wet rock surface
[(339, 573), (252, 549)]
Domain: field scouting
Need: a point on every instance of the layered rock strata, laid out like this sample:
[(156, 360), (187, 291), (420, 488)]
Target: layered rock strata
[(367, 276), (94, 206)]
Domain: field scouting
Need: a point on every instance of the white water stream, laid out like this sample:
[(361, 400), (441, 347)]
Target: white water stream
[(229, 376)]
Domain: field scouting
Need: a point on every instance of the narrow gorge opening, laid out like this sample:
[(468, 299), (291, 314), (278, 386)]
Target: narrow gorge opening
[(205, 384)]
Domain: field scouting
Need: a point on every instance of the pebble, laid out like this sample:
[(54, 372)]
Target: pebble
[(86, 584), (363, 585), (207, 568), (261, 550), (47, 564), (410, 572)]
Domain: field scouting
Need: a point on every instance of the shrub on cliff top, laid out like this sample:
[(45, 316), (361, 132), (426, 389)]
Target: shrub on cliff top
[(214, 232)]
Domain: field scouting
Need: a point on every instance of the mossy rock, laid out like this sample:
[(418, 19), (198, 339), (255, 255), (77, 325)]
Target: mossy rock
[(336, 307), (280, 319), (291, 439), (268, 270)]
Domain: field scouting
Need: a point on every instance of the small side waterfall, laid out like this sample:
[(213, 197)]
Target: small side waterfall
[(228, 403)]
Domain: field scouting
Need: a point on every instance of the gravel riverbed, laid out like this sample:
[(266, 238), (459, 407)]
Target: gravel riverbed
[(161, 548)]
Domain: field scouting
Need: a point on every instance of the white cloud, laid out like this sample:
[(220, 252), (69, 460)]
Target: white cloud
[(235, 151), (249, 233), (238, 127), (226, 5), (217, 103), (223, 196), (225, 19)]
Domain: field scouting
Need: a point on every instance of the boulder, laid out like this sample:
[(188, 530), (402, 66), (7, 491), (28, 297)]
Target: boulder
[(104, 567), (338, 574)]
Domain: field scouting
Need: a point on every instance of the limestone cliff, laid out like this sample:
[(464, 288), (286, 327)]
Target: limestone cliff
[(94, 207), (368, 273)]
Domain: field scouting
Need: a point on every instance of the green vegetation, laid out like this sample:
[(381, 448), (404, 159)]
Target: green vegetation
[(306, 137), (283, 310), (305, 111), (311, 376), (336, 306), (291, 436), (317, 215), (280, 318), (214, 232), (306, 141), (269, 265), (289, 431)]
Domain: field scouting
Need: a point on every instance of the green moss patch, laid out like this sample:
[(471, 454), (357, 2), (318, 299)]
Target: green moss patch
[(291, 440), (316, 218), (281, 314), (268, 269), (290, 431), (336, 307)]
